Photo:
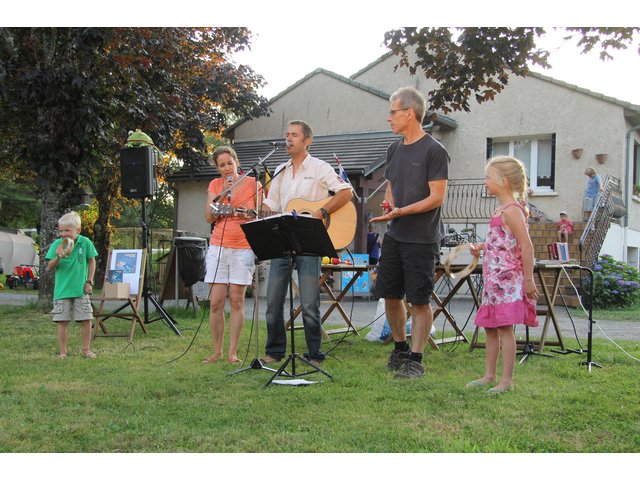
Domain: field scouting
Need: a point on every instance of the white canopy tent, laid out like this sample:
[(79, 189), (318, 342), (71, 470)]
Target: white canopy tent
[(16, 248)]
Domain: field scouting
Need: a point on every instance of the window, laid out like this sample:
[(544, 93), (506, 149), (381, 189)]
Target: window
[(536, 152)]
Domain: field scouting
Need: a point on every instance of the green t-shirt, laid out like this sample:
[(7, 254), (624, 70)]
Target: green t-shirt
[(72, 271)]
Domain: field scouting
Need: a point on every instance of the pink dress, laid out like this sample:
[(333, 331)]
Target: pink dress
[(503, 299)]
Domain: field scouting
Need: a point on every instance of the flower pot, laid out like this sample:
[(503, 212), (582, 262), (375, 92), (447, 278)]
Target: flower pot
[(577, 153), (601, 158)]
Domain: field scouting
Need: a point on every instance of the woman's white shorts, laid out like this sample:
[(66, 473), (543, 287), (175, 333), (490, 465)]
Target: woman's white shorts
[(229, 265)]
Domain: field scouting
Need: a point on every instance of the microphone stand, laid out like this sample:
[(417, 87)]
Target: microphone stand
[(256, 363), (254, 169)]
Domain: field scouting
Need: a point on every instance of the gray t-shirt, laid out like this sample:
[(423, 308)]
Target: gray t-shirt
[(410, 168)]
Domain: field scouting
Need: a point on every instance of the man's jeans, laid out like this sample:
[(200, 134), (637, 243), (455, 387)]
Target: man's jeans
[(308, 269)]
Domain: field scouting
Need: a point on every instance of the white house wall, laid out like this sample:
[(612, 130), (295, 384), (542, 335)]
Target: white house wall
[(329, 105), (529, 106)]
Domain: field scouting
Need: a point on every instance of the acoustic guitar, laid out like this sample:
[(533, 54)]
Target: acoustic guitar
[(340, 225)]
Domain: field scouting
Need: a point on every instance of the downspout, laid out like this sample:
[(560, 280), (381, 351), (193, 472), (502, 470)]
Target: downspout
[(175, 208), (629, 186)]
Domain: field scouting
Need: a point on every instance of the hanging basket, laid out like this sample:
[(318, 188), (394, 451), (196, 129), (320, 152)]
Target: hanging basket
[(601, 158), (577, 153)]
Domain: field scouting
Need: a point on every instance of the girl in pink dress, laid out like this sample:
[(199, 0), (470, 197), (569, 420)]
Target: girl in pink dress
[(509, 293)]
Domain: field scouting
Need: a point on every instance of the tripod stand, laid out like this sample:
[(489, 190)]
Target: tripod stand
[(589, 363), (287, 236), (529, 348), (146, 291)]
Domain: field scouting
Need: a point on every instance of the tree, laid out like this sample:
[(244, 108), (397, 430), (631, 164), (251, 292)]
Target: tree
[(68, 97), (477, 62)]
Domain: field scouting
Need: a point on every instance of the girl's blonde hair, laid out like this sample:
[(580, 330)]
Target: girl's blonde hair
[(513, 171)]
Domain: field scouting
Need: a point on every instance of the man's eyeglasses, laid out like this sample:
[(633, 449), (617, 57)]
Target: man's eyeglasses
[(392, 112)]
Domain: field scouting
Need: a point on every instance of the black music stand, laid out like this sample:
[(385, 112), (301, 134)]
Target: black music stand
[(288, 235)]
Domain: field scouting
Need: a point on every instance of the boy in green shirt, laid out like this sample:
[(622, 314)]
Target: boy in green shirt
[(72, 256)]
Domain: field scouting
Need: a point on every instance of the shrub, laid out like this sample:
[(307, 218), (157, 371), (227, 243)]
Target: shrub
[(616, 284)]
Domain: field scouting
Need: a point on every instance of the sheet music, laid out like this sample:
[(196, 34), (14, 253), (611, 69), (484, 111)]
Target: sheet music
[(272, 217)]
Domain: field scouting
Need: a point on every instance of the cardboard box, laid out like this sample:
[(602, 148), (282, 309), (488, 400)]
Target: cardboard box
[(116, 290)]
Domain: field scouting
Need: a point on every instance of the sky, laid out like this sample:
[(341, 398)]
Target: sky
[(282, 62), (291, 39)]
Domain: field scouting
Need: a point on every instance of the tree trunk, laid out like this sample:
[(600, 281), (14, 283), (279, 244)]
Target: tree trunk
[(52, 210), (102, 234)]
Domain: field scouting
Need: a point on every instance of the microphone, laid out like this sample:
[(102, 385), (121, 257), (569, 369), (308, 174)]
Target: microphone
[(281, 143), (229, 179)]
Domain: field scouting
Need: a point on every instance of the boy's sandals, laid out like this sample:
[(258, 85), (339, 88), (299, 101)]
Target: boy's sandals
[(61, 355), (88, 354)]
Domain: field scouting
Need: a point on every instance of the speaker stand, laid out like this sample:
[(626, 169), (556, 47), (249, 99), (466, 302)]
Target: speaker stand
[(146, 291)]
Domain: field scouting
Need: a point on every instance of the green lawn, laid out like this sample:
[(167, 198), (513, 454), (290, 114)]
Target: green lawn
[(151, 396)]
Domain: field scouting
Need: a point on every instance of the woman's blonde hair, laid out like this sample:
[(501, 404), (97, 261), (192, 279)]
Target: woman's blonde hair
[(513, 171), (224, 149)]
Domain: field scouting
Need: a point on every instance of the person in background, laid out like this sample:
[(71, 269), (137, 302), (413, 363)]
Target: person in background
[(509, 293), (373, 245), (310, 178), (230, 260), (73, 284), (565, 227), (591, 192), (417, 168)]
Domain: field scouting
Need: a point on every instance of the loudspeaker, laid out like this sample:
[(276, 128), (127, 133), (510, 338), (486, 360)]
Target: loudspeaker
[(138, 172)]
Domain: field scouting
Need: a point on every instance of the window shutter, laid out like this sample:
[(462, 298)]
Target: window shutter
[(489, 148), (553, 161)]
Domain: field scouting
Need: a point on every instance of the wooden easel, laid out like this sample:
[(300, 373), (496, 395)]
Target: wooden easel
[(132, 301)]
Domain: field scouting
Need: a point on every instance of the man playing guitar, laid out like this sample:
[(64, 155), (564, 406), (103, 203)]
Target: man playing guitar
[(312, 179)]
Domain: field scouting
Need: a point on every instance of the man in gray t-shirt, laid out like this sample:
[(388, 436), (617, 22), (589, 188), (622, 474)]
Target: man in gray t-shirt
[(417, 171)]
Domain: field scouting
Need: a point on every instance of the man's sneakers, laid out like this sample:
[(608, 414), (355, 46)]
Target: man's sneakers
[(397, 359), (401, 362), (410, 369)]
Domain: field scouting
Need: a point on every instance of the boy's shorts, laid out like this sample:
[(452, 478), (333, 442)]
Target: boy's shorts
[(407, 269), (78, 309)]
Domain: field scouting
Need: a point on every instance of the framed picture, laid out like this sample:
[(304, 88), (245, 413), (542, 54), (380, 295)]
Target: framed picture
[(115, 276), (130, 263)]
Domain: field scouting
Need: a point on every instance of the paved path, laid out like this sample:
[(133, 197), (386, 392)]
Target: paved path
[(363, 313)]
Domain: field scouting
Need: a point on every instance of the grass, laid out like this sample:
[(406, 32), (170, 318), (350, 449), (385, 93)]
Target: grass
[(146, 397), (630, 314)]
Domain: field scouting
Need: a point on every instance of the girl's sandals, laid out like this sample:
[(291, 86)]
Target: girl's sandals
[(88, 354), (61, 355), (478, 383), (499, 391), (211, 359)]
